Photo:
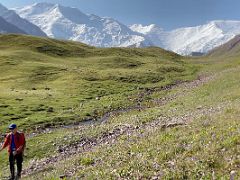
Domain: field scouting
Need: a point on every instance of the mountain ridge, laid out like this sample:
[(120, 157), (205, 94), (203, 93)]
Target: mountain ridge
[(232, 47), (70, 23), (6, 27), (13, 18), (201, 39)]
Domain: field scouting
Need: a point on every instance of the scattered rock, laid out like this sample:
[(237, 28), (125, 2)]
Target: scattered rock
[(60, 149), (15, 118), (62, 176), (232, 175), (50, 109), (4, 105)]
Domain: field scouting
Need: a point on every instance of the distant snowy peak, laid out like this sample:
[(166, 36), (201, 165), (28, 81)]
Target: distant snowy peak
[(185, 41), (70, 23), (152, 32), (202, 38), (145, 29), (35, 9), (44, 9), (227, 27), (11, 17)]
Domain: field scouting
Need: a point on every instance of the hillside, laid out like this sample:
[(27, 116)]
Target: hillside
[(119, 113), (55, 47), (37, 74), (6, 27), (231, 48)]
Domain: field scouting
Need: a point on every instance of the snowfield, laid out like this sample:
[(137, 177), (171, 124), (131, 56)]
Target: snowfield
[(70, 23), (185, 41)]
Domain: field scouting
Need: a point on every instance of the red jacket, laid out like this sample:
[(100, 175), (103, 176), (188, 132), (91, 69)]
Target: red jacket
[(19, 140)]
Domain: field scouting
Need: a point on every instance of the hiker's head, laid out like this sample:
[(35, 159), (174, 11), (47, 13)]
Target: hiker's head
[(13, 128)]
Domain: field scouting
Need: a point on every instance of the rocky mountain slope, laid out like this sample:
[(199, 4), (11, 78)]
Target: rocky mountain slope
[(232, 47), (11, 17), (6, 27)]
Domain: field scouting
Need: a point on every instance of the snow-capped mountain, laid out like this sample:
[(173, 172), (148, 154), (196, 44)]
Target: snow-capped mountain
[(6, 27), (70, 23), (185, 41), (11, 17), (152, 32)]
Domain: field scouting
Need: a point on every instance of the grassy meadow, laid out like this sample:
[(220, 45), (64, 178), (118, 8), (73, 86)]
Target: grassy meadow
[(47, 83)]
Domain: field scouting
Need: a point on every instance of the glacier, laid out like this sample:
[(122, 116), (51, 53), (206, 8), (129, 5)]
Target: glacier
[(185, 41)]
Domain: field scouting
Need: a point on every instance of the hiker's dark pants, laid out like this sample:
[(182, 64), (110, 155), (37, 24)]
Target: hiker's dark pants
[(12, 159)]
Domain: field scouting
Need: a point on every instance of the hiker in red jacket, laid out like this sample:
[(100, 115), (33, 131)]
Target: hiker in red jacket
[(15, 141)]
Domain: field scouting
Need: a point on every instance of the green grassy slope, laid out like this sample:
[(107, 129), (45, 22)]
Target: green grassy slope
[(205, 148), (48, 82), (44, 88)]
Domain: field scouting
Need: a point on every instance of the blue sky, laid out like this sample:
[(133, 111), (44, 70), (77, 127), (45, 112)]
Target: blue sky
[(168, 14)]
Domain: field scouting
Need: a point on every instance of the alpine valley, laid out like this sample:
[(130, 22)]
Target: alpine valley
[(120, 110)]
